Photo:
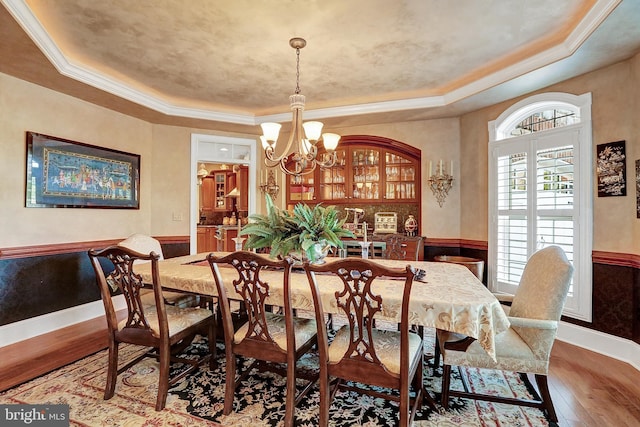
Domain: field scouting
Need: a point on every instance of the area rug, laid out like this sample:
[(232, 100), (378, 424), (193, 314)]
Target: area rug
[(198, 399)]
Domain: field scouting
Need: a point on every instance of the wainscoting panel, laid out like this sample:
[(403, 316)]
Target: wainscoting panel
[(39, 285), (45, 279)]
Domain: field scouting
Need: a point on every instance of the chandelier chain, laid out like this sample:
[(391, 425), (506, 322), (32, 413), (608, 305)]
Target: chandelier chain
[(297, 70)]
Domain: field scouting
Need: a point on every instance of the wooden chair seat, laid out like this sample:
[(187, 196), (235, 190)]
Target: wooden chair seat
[(387, 344), (178, 319), (304, 330)]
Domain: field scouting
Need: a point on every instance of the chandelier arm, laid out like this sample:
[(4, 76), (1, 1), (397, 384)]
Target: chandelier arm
[(297, 171), (270, 151), (329, 162)]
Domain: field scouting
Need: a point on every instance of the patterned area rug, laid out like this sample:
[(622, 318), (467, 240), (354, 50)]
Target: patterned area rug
[(198, 399)]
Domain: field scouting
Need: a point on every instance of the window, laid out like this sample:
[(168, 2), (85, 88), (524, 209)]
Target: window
[(540, 191)]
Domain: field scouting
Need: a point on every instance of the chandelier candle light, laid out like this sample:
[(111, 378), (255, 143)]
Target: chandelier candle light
[(305, 135), (440, 182)]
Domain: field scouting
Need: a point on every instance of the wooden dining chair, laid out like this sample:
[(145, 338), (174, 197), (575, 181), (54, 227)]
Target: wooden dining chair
[(164, 328), (360, 353), (266, 336), (399, 246), (526, 346)]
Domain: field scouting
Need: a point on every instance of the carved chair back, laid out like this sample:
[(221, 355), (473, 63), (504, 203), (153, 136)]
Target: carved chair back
[(252, 292), (397, 247), (358, 302), (123, 278)]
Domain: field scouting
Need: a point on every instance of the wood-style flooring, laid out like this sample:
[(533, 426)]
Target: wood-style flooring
[(588, 389)]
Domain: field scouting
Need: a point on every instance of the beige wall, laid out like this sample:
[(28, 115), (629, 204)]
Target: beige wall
[(615, 115), (28, 107)]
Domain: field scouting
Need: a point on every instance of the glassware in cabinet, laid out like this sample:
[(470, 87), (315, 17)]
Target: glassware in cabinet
[(333, 180), (302, 187), (400, 175), (220, 191), (365, 173)]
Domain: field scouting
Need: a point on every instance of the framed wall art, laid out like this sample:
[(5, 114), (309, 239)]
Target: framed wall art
[(611, 169), (68, 174)]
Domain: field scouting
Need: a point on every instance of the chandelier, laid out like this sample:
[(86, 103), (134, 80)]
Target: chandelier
[(306, 136)]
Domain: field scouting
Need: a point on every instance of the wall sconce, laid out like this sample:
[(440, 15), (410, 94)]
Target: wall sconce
[(440, 182), (270, 185)]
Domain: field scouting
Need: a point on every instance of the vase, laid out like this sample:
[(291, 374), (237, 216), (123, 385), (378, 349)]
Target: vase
[(411, 226), (319, 251)]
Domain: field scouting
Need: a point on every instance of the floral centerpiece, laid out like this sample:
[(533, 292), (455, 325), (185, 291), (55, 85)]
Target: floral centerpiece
[(306, 234)]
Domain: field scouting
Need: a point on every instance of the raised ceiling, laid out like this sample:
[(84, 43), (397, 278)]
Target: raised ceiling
[(227, 64)]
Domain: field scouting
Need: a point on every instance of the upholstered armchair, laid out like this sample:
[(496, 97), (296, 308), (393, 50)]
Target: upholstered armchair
[(526, 346)]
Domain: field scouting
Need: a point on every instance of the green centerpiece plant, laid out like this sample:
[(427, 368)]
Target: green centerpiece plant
[(306, 234)]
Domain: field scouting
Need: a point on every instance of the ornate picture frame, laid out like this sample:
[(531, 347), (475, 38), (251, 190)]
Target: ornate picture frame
[(611, 169), (61, 173)]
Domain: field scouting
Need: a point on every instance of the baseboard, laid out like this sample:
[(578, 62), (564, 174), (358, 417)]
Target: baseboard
[(30, 358), (609, 345)]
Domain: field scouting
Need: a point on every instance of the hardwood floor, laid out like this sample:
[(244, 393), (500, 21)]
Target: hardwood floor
[(588, 389)]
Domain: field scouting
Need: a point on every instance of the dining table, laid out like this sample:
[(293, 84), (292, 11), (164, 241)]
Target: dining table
[(447, 296)]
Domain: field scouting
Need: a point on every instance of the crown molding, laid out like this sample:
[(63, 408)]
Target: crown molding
[(30, 24)]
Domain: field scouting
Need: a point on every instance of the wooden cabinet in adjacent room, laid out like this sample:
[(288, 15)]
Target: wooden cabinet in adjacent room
[(243, 188), (207, 194), (207, 241), (222, 187)]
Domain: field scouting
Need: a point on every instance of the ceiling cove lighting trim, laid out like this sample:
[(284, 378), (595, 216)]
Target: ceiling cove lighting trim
[(32, 26)]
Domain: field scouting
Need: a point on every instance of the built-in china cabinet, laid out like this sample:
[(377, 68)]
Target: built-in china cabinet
[(368, 169), (378, 175)]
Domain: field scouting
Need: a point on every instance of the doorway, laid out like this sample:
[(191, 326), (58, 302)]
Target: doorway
[(223, 150)]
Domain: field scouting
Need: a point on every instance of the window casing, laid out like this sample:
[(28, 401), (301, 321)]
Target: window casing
[(540, 191)]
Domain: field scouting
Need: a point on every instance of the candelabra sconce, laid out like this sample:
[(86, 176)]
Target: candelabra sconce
[(440, 182), (270, 186)]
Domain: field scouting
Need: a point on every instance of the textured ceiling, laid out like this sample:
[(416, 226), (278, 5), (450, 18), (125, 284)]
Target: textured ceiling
[(229, 61)]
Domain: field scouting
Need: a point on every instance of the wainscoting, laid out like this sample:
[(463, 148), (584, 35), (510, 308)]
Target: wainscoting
[(38, 280)]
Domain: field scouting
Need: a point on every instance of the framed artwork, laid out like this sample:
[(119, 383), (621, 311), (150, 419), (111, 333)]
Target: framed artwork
[(611, 169), (69, 174)]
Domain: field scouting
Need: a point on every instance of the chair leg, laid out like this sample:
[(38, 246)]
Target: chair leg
[(446, 382), (325, 399), (213, 349), (543, 387), (163, 383), (436, 353), (290, 402), (112, 370), (404, 406), (230, 383)]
